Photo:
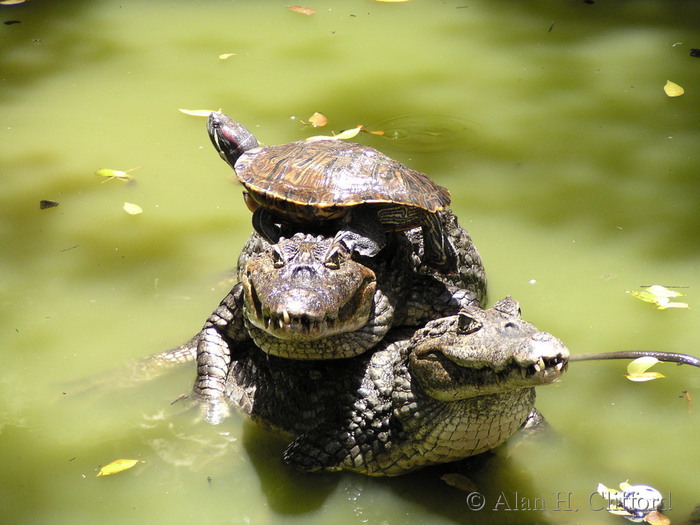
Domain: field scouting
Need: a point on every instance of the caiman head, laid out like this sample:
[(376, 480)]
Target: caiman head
[(478, 352), (307, 287)]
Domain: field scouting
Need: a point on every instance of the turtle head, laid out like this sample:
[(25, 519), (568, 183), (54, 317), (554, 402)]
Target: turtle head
[(230, 138)]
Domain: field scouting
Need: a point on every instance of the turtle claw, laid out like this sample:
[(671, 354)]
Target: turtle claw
[(358, 243), (264, 223)]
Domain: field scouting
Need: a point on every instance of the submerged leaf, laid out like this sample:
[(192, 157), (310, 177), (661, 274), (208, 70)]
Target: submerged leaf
[(132, 209), (118, 465), (302, 10), (459, 481), (224, 56), (672, 89), (44, 204)]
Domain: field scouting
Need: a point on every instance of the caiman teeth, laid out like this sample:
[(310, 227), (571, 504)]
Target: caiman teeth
[(285, 317)]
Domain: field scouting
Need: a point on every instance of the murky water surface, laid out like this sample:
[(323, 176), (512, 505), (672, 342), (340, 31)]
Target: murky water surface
[(575, 174)]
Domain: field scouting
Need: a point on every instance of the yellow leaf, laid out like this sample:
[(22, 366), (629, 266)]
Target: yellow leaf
[(132, 209), (659, 296), (303, 10), (115, 174), (641, 365), (665, 305), (673, 90), (12, 2), (605, 491), (662, 291), (646, 376), (118, 465), (224, 56), (198, 112), (343, 135)]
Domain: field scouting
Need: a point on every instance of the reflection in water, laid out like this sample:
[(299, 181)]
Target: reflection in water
[(425, 133)]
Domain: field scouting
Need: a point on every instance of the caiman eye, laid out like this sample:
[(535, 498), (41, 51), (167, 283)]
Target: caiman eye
[(277, 258), (333, 258), (467, 324)]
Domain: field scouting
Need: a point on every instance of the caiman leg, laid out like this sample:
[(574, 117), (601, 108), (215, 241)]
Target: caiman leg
[(222, 330)]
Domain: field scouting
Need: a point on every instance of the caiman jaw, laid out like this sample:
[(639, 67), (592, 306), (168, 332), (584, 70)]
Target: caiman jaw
[(454, 368), (300, 314)]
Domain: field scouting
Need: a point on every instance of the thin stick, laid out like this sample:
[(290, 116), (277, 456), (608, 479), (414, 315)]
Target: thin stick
[(672, 357)]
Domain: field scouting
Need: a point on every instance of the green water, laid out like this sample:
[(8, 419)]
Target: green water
[(573, 171)]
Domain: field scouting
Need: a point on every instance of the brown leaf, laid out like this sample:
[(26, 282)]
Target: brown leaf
[(318, 120), (656, 518), (365, 130)]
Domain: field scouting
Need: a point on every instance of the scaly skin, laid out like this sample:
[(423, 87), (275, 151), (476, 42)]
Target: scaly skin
[(306, 298), (460, 386), (290, 313)]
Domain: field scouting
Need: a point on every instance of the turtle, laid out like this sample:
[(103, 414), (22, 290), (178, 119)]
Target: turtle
[(352, 188)]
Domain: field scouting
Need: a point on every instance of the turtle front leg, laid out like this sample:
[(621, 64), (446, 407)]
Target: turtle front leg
[(438, 250), (362, 233), (224, 327), (264, 223)]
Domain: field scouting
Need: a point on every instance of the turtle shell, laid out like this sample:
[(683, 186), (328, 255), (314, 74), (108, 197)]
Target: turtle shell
[(321, 179)]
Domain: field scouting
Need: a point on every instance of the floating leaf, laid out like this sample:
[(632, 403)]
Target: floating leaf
[(47, 204), (118, 465), (302, 10), (662, 291), (365, 130), (198, 112), (132, 209), (656, 518), (634, 502), (637, 370), (343, 135), (659, 296), (646, 376), (115, 174), (641, 365), (317, 120), (224, 56), (672, 89)]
